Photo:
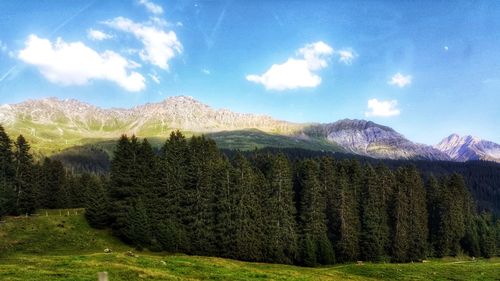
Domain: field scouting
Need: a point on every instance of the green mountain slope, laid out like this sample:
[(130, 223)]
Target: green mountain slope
[(95, 154), (63, 247), (52, 125)]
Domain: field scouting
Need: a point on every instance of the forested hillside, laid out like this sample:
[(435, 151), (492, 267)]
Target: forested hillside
[(482, 178), (190, 197)]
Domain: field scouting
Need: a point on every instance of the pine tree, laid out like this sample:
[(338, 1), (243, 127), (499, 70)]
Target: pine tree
[(130, 182), (454, 215), (470, 241), (246, 211), (418, 216), (497, 230), (435, 208), (24, 184), (315, 247), (328, 178), (373, 217), (146, 185), (53, 193), (346, 218), (121, 186), (7, 199), (137, 229), (147, 165), (7, 175), (200, 193), (76, 191), (400, 220), (80, 187), (7, 171), (387, 181), (96, 202), (280, 211), (170, 194), (486, 230), (226, 194)]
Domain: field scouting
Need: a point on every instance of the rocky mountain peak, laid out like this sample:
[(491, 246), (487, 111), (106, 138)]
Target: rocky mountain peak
[(357, 124), (52, 120), (371, 139), (469, 148)]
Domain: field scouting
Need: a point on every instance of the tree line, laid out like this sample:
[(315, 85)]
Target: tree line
[(481, 177), (27, 185), (190, 197)]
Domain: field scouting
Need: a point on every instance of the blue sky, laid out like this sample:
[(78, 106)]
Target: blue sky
[(425, 68)]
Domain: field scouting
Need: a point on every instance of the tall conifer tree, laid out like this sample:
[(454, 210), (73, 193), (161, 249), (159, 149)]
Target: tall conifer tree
[(400, 220), (373, 217), (346, 218), (280, 224), (247, 211), (315, 247), (170, 194), (96, 202), (418, 217), (24, 185), (7, 174)]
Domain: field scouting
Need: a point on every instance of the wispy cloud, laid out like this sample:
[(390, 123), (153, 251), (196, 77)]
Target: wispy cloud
[(296, 72), (346, 56), (7, 74), (97, 35), (76, 64), (160, 46), (154, 76), (400, 80), (151, 7), (206, 71), (378, 108)]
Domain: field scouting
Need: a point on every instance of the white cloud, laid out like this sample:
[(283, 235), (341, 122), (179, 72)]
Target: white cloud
[(382, 108), (346, 56), (160, 46), (76, 64), (315, 54), (290, 75), (97, 35), (152, 7), (206, 71), (296, 72), (400, 80)]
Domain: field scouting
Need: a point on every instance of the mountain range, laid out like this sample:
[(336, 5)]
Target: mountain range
[(52, 125), (469, 148)]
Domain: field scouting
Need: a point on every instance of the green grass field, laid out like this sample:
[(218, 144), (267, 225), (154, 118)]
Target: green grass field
[(62, 247)]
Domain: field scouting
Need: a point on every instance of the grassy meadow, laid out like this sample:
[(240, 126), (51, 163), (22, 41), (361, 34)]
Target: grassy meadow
[(58, 246)]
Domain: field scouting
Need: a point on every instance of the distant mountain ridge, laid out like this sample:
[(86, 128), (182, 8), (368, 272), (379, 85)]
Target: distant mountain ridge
[(179, 112), (370, 139), (469, 148), (53, 124)]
